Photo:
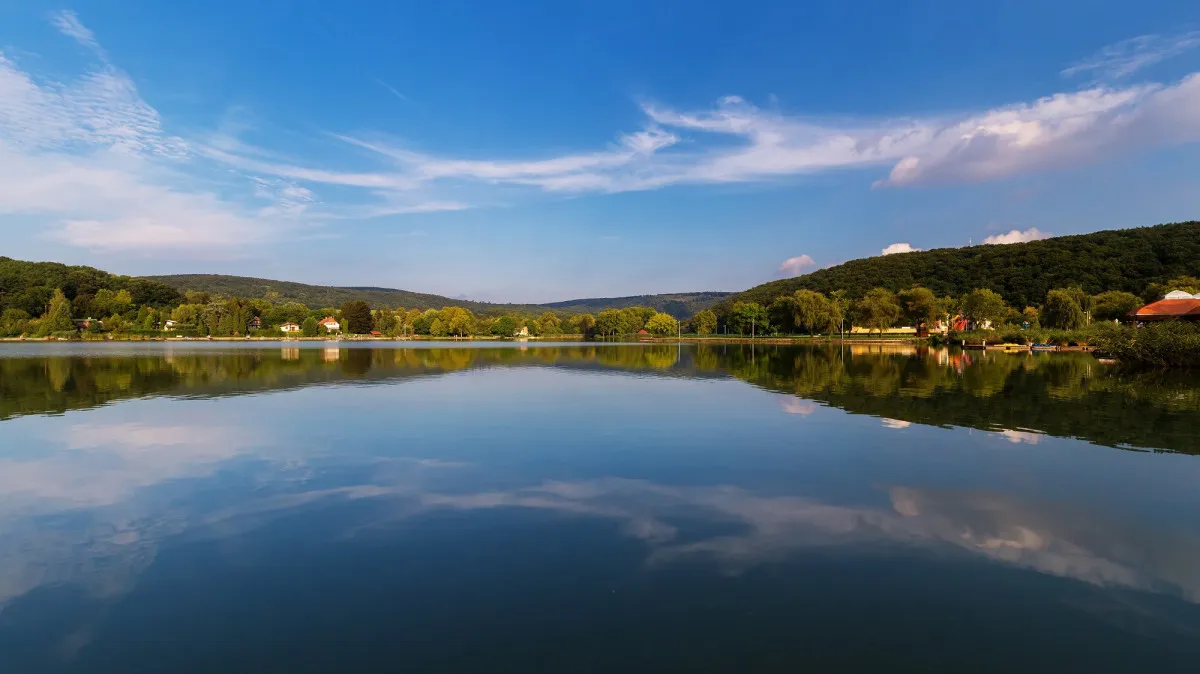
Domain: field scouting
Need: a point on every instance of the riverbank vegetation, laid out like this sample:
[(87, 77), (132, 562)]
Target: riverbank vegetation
[(1173, 344)]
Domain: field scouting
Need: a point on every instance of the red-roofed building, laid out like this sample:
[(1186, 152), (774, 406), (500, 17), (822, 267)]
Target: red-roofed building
[(1167, 310), (330, 323)]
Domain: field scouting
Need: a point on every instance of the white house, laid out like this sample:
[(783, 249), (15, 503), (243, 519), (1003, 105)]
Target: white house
[(289, 327), (1180, 295), (330, 323), (169, 325)]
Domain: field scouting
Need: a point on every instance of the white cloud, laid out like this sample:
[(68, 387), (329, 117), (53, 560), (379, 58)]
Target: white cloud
[(794, 266), (68, 23), (898, 248), (737, 142), (95, 159), (798, 406), (1017, 236), (1129, 56), (92, 156), (1019, 437)]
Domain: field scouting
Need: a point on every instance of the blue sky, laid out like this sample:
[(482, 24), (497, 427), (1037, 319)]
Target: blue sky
[(540, 151)]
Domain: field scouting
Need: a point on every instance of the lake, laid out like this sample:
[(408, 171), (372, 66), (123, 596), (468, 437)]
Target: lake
[(223, 507)]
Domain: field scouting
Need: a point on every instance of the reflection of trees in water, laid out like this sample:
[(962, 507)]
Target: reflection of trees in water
[(1060, 394)]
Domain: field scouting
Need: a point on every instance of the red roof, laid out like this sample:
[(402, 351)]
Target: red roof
[(376, 333), (1169, 309), (327, 319), (642, 332)]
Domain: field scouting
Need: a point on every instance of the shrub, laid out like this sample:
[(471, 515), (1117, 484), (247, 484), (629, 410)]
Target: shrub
[(1171, 344)]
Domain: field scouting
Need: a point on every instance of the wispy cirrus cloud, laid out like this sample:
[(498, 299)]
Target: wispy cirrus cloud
[(93, 155), (1126, 57), (68, 23), (94, 158), (736, 142)]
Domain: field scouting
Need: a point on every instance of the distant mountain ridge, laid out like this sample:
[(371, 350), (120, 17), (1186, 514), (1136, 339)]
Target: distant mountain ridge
[(1123, 259), (680, 305)]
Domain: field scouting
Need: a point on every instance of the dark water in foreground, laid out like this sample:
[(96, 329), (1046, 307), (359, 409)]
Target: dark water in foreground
[(201, 508)]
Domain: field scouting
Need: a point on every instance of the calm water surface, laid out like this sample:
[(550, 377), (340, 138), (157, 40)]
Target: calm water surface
[(574, 508)]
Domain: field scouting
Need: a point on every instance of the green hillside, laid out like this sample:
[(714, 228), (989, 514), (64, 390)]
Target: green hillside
[(1126, 259), (680, 305), (222, 285), (28, 286)]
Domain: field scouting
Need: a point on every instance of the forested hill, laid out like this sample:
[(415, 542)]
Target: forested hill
[(28, 286), (680, 305), (1125, 259), (221, 285)]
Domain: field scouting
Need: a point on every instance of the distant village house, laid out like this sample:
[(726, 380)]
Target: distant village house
[(330, 323), (289, 327)]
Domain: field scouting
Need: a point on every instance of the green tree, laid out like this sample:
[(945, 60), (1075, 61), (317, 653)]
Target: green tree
[(357, 318), (982, 305), (309, 328), (661, 324), (548, 324), (438, 328), (586, 323), (58, 315), (195, 297), (147, 318), (877, 309), (385, 321), (457, 321), (1061, 311), (810, 311), (608, 322), (1030, 316), (1084, 301), (1114, 305), (410, 319), (505, 326), (839, 305), (423, 323), (705, 322), (122, 302), (749, 318), (920, 307), (13, 322)]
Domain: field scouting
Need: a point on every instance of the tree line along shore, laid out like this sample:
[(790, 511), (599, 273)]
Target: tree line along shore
[(1063, 290), (1067, 316)]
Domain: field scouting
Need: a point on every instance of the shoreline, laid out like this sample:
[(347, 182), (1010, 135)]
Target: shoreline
[(623, 340)]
